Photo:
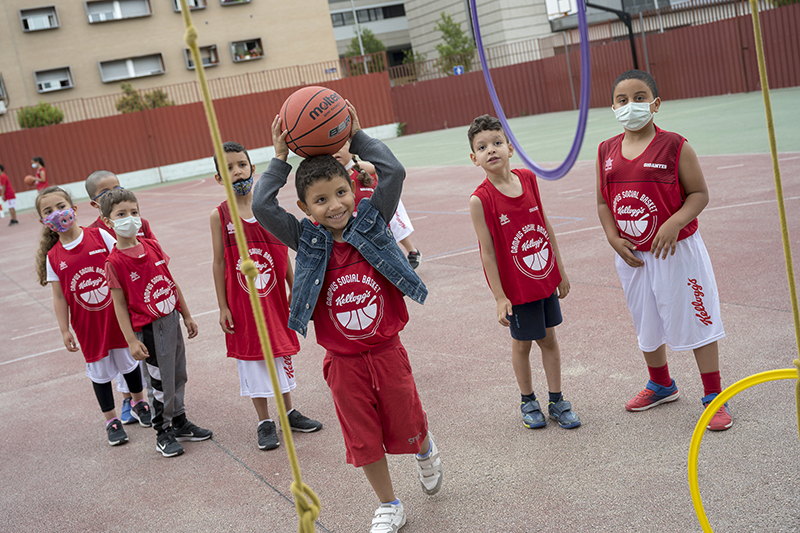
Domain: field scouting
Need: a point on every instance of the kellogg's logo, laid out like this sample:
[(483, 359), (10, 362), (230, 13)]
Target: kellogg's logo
[(355, 304), (532, 252), (636, 216), (266, 279), (159, 296), (90, 289), (701, 314)]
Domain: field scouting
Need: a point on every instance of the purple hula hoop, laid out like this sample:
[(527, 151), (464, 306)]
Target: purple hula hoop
[(563, 168)]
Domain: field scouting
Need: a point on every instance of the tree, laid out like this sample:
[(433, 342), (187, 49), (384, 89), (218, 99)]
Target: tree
[(42, 114), (131, 101), (457, 48), (371, 44)]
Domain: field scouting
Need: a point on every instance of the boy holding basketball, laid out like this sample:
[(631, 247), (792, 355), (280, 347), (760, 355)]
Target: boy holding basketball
[(148, 302), (351, 277), (650, 189), (522, 265)]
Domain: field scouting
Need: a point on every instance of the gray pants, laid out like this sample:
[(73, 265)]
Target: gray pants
[(166, 365)]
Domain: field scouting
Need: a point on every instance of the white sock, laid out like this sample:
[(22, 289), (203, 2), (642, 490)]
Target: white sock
[(267, 420), (289, 411)]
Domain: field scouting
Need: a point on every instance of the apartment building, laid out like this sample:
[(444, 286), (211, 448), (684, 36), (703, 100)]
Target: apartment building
[(386, 20), (65, 49)]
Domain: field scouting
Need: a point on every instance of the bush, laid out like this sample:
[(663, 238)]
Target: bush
[(131, 101), (39, 115)]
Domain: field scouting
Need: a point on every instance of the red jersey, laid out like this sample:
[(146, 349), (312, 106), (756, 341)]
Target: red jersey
[(81, 272), (8, 190), (525, 256), (644, 192), (272, 260), (358, 308), (41, 185), (146, 280), (144, 231), (361, 191)]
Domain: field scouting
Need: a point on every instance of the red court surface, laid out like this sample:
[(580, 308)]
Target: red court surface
[(618, 472)]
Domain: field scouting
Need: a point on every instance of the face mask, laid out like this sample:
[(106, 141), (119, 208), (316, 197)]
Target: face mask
[(127, 227), (634, 116), (242, 187), (60, 221), (33, 165)]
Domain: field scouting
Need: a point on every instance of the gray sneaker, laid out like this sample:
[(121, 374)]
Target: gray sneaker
[(141, 412), (562, 413), (430, 470), (298, 422), (267, 436), (116, 435), (167, 445), (532, 417)]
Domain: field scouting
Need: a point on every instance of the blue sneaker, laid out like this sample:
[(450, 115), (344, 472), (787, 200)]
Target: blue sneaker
[(532, 417), (126, 416), (561, 412), (654, 394)]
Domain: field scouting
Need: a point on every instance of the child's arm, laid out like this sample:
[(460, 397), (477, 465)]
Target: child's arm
[(218, 267), (563, 287), (290, 280), (691, 178), (137, 347), (489, 260), (62, 314), (188, 321), (367, 167), (266, 209), (623, 247)]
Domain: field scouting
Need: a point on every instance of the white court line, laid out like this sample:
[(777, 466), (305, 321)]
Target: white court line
[(459, 210), (205, 313), (790, 158), (418, 218), (578, 230), (205, 263), (750, 203), (32, 334), (452, 255), (34, 355), (730, 166), (573, 190)]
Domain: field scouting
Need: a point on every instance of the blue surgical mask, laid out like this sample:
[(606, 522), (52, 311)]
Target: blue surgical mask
[(242, 187)]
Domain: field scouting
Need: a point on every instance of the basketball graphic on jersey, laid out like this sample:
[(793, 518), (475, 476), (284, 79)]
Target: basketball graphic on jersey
[(266, 279), (636, 216), (356, 306), (531, 251), (160, 296), (90, 289)]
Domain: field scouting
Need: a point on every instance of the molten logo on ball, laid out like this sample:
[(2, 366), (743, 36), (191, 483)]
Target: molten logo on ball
[(326, 102)]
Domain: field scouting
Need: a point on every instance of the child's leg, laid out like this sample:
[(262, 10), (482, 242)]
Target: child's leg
[(408, 245), (262, 409), (135, 386), (520, 362), (105, 397), (551, 360), (378, 476), (708, 363)]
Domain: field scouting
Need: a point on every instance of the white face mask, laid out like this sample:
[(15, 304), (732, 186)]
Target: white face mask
[(634, 115), (33, 165), (127, 227)]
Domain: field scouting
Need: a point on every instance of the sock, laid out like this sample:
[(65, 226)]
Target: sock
[(111, 421), (660, 375), (289, 411), (395, 502), (134, 403), (265, 420), (529, 397), (711, 382), (556, 397)]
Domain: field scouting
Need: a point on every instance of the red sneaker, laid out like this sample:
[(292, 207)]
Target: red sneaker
[(654, 394), (722, 419)]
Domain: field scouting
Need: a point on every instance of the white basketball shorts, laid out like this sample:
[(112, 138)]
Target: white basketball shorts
[(254, 377), (400, 224), (118, 361)]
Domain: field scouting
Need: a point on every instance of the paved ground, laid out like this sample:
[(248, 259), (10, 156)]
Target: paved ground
[(619, 472)]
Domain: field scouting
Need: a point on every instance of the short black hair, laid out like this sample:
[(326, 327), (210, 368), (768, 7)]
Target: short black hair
[(484, 123), (38, 160), (314, 169), (115, 197), (2, 168), (231, 146), (94, 177), (636, 75)]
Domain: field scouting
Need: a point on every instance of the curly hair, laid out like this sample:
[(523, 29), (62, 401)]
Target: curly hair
[(314, 169), (483, 123)]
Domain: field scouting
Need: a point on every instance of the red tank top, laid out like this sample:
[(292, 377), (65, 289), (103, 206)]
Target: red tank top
[(361, 191), (144, 231), (81, 272), (525, 257), (644, 192), (272, 259), (41, 185), (357, 308), (147, 283)]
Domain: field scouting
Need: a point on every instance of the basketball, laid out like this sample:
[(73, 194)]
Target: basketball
[(317, 121), (30, 180)]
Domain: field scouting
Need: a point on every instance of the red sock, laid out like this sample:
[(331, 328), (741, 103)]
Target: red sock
[(711, 382), (660, 375)]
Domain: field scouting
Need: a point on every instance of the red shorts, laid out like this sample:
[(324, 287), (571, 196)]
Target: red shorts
[(376, 402)]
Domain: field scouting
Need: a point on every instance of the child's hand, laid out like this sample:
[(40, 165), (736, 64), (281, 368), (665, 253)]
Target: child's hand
[(279, 139), (69, 341), (563, 287), (226, 320), (503, 310), (666, 240), (138, 350), (191, 327), (354, 124), (625, 248)]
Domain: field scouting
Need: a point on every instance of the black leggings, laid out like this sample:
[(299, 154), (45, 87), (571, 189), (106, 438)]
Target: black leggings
[(105, 396)]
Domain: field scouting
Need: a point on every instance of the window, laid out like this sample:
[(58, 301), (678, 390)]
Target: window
[(342, 19), (193, 4), (345, 18), (233, 2), (246, 50), (132, 67), (207, 53), (2, 89), (39, 18), (53, 80), (107, 10)]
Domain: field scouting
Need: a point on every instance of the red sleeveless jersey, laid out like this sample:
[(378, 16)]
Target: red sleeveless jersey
[(644, 192), (358, 308), (147, 283), (144, 231), (362, 191), (525, 257), (82, 274), (272, 259)]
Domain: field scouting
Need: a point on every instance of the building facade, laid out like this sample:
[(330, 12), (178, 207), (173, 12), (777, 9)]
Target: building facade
[(385, 19)]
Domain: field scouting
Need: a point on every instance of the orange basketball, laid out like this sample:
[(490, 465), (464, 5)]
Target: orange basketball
[(30, 180), (317, 121)]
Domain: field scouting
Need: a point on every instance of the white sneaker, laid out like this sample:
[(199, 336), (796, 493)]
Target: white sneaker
[(430, 469), (389, 518)]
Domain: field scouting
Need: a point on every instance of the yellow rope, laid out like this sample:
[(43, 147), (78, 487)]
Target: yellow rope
[(307, 511)]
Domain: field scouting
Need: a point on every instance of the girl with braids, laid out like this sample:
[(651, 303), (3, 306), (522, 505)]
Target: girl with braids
[(364, 180), (72, 260)]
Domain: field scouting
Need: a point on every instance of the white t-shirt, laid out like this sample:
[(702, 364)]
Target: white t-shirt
[(107, 238)]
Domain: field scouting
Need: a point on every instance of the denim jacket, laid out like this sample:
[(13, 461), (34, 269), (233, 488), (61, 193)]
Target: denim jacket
[(368, 232)]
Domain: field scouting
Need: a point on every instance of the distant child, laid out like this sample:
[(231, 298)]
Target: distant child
[(522, 265), (650, 189), (148, 303), (72, 259), (235, 314), (364, 181), (351, 278), (7, 193), (37, 163), (97, 184)]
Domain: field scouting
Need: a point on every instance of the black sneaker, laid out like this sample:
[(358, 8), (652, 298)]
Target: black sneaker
[(167, 445), (267, 436), (189, 431), (141, 412), (299, 422), (414, 259), (13, 221), (116, 435)]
